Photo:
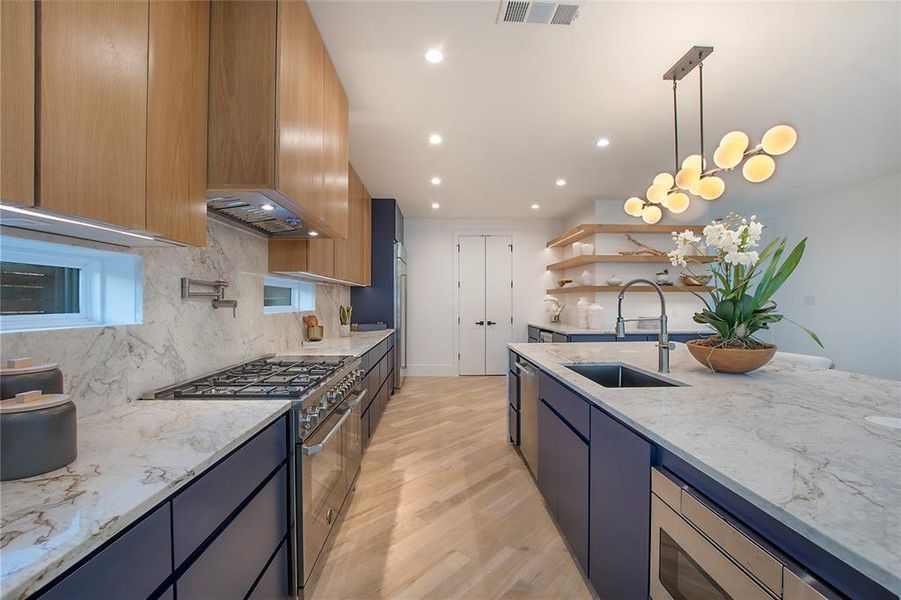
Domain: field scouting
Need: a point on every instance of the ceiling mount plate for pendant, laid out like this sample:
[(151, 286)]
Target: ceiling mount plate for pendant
[(687, 63)]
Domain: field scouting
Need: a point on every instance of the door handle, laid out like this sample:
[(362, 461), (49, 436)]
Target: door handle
[(492, 323), (480, 322)]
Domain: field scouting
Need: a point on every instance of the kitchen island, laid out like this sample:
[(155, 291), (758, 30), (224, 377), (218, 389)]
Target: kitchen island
[(805, 446)]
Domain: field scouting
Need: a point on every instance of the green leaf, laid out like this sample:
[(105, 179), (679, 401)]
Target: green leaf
[(784, 272), (812, 335)]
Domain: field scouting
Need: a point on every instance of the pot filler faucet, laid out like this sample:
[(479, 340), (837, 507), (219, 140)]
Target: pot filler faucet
[(663, 343)]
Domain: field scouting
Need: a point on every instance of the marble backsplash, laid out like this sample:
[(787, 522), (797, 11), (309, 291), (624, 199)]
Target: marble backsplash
[(179, 339)]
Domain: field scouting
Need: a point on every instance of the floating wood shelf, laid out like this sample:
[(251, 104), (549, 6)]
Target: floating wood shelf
[(581, 261), (593, 289), (580, 232)]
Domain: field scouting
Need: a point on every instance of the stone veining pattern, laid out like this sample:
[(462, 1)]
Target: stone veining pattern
[(179, 339), (791, 438), (131, 458)]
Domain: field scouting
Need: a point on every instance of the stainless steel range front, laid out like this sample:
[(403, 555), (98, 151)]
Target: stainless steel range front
[(326, 392)]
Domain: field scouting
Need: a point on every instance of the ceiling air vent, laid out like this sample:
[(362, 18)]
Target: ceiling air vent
[(544, 13)]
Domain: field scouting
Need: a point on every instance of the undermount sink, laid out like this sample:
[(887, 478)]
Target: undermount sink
[(615, 375)]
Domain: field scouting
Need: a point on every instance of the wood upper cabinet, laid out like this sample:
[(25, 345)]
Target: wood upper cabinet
[(93, 109), (177, 119), (335, 173), (349, 260), (17, 52), (348, 255), (120, 116), (300, 107), (278, 113), (321, 258)]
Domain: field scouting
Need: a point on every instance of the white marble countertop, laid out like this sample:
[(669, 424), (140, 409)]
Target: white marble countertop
[(130, 458), (565, 329), (357, 343), (792, 439)]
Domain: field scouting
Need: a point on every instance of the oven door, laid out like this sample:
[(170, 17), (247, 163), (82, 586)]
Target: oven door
[(324, 484), (686, 566)]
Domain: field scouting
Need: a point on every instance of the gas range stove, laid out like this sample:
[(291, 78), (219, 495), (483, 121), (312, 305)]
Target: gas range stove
[(283, 377), (317, 386)]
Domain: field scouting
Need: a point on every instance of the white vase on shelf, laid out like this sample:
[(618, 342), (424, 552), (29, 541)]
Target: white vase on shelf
[(587, 249), (595, 316), (586, 279), (577, 249), (582, 312)]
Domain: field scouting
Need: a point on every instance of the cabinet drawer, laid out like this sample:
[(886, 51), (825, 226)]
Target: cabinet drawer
[(231, 564), (275, 582), (132, 566), (205, 504), (383, 370), (571, 407), (513, 389), (685, 337), (366, 362), (533, 332), (559, 338)]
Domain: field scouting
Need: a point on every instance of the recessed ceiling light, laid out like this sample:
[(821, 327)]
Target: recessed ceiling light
[(561, 182), (603, 143), (435, 206), (435, 139), (267, 207), (436, 181), (535, 207), (314, 233), (434, 55)]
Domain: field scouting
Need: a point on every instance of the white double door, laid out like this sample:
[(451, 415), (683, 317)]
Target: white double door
[(485, 313)]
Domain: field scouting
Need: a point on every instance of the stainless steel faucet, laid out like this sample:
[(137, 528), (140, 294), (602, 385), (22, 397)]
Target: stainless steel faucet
[(663, 343)]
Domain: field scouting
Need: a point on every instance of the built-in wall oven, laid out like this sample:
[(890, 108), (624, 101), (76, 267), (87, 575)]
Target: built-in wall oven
[(698, 552)]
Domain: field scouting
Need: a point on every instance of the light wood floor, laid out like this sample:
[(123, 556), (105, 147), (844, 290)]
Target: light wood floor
[(444, 508)]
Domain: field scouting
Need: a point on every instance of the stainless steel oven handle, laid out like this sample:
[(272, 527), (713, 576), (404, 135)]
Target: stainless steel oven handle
[(317, 448), (354, 402)]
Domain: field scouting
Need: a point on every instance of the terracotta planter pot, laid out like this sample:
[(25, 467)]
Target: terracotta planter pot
[(730, 360)]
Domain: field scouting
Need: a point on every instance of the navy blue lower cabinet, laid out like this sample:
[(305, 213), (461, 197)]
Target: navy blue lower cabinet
[(208, 501), (620, 493), (547, 455), (275, 583), (232, 563), (572, 491), (133, 566)]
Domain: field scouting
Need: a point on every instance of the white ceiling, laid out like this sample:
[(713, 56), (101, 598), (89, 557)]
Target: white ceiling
[(521, 105)]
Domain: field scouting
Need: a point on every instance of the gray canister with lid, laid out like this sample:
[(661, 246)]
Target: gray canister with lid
[(38, 425)]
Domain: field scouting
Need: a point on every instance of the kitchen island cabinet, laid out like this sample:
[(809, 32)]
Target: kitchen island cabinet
[(710, 432)]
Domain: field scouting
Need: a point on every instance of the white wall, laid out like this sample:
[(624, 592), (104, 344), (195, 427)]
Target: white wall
[(431, 329), (847, 288)]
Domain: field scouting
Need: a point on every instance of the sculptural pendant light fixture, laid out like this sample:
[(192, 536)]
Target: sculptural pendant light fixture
[(691, 176)]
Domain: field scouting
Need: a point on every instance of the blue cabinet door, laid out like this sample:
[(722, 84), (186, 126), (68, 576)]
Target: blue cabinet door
[(620, 494), (547, 455), (275, 583), (572, 491), (132, 566), (232, 563)]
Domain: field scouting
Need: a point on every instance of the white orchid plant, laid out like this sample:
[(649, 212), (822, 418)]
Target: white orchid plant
[(556, 307), (742, 289)]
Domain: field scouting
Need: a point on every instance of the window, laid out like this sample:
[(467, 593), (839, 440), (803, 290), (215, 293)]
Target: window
[(287, 295), (44, 285)]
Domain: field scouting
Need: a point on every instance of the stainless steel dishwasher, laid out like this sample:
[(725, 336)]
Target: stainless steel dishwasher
[(528, 414)]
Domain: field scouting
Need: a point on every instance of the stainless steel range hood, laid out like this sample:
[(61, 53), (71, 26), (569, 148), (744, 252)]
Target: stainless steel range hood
[(271, 216)]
